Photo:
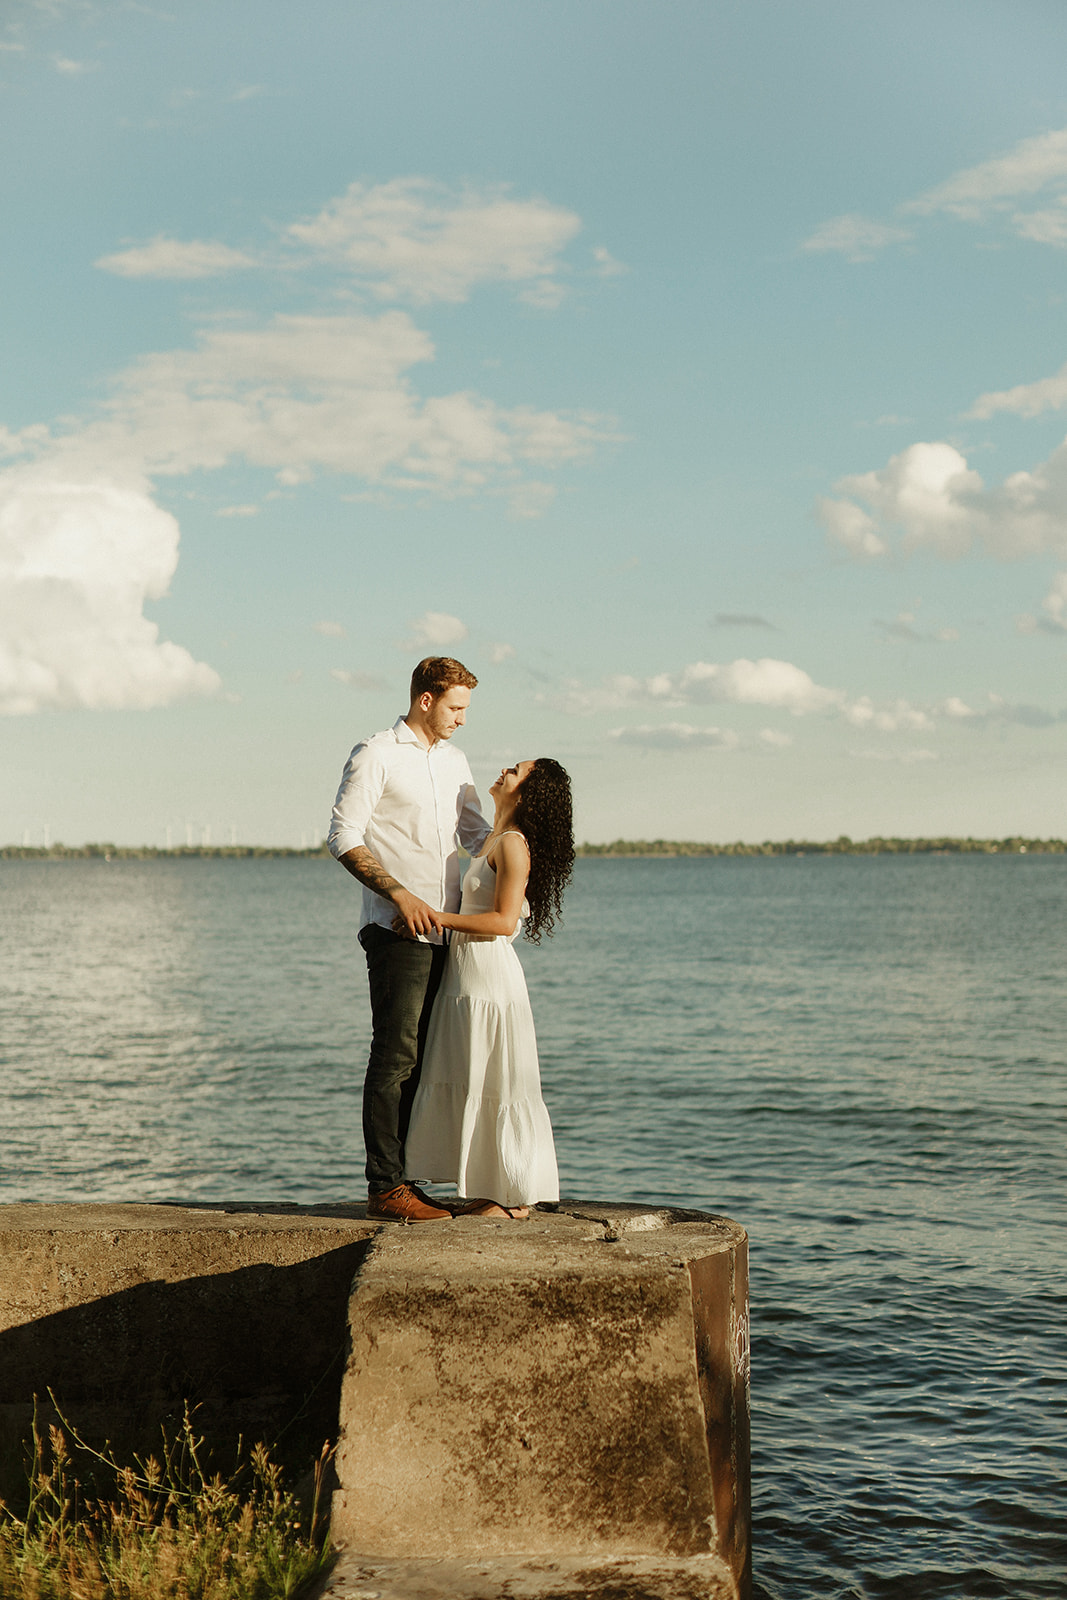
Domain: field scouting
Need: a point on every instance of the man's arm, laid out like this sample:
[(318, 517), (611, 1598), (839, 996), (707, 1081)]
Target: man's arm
[(472, 830), (360, 791), (416, 914)]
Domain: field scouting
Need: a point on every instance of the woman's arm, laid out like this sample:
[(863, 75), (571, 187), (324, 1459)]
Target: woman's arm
[(511, 858)]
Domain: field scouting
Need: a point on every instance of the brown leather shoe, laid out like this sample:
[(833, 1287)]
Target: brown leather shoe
[(402, 1204)]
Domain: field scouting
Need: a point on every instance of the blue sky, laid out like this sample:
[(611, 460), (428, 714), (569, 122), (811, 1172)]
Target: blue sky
[(691, 371)]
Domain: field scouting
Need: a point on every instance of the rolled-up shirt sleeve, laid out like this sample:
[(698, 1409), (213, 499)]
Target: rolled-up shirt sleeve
[(472, 830), (361, 788)]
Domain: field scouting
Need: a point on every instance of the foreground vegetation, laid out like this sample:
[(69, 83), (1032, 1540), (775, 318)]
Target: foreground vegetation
[(162, 1529), (878, 846)]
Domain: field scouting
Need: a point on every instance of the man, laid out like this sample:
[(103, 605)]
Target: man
[(405, 799)]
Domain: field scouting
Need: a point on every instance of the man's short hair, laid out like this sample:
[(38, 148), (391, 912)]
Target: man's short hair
[(436, 674)]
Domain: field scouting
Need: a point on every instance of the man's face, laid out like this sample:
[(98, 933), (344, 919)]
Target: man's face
[(448, 712)]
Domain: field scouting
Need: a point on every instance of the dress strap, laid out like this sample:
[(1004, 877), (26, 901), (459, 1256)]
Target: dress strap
[(496, 841)]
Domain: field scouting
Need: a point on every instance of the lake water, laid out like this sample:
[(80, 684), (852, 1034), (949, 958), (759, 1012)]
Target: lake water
[(860, 1059)]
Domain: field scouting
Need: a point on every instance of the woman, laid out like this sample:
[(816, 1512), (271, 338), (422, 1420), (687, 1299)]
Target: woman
[(478, 1119)]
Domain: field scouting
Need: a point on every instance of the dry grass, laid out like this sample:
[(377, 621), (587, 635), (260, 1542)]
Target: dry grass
[(162, 1529)]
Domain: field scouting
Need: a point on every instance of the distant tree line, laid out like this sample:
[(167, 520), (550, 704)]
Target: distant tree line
[(843, 846), (148, 852)]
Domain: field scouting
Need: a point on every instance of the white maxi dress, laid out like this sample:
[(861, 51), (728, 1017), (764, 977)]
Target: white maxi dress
[(478, 1119)]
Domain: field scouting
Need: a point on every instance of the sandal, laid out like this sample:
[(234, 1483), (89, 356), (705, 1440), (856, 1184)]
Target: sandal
[(493, 1212)]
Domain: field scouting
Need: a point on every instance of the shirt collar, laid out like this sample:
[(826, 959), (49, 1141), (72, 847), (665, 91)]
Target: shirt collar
[(407, 735)]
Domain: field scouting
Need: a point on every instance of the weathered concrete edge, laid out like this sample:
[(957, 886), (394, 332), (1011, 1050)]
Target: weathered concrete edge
[(356, 1577)]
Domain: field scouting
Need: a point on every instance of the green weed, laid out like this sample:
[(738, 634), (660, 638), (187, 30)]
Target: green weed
[(162, 1529)]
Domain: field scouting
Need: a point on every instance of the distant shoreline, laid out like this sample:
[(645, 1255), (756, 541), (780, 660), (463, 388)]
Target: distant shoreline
[(641, 849)]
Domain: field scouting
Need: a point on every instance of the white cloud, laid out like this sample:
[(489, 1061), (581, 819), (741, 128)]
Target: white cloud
[(175, 258), (972, 194), (1054, 604), (329, 630), (901, 627), (1025, 399), (905, 626), (302, 393), (305, 393), (416, 240), (78, 560), (937, 502), (24, 441), (1000, 710), (776, 685), (1053, 615), (295, 395), (991, 190), (358, 680), (924, 489), (851, 527), (855, 237), (894, 718), (576, 701), (72, 69), (775, 738), (1043, 227), (499, 653), (549, 437), (436, 630), (606, 264), (676, 736), (766, 682), (238, 511), (529, 499)]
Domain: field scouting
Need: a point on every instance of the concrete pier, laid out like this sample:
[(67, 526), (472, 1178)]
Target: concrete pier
[(556, 1407), (126, 1311)]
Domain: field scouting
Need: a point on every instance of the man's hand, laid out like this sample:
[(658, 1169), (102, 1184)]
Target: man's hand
[(413, 916)]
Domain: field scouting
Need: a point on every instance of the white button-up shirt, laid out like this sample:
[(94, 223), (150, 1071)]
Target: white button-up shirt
[(408, 806)]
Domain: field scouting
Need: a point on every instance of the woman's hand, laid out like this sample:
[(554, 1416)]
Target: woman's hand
[(436, 922)]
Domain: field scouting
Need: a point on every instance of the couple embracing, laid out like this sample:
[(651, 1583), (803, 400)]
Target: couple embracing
[(452, 1092)]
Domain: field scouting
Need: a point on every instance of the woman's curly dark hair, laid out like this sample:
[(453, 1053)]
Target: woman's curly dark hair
[(543, 814)]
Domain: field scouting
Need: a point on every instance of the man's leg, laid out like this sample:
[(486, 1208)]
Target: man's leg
[(404, 978)]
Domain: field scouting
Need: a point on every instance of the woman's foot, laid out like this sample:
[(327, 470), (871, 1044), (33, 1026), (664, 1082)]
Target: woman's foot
[(494, 1212)]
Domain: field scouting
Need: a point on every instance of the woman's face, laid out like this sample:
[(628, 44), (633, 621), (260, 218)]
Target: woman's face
[(512, 779)]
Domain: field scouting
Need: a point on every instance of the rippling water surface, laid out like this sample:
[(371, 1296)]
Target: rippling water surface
[(860, 1059)]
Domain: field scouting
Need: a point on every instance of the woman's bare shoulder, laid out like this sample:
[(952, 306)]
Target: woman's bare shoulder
[(512, 848)]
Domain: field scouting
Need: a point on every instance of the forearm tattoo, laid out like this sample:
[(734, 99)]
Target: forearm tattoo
[(362, 865)]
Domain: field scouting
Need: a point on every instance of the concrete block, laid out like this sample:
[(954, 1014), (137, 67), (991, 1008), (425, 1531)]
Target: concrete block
[(127, 1311), (575, 1385)]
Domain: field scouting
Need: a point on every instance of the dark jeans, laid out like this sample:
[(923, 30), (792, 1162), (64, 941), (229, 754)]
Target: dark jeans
[(404, 978)]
